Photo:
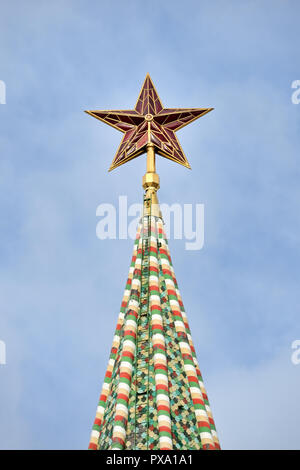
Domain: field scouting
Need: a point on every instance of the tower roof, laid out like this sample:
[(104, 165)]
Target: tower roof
[(153, 396)]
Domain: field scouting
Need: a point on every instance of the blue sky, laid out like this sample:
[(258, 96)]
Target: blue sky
[(61, 287)]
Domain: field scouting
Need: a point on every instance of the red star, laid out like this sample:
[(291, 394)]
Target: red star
[(149, 122)]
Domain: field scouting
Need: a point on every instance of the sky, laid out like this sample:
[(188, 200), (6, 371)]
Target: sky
[(61, 287)]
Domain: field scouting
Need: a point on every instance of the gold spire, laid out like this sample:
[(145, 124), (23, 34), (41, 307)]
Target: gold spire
[(151, 184)]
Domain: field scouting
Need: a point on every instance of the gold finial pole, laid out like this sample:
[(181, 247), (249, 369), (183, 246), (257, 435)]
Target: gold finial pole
[(151, 184), (150, 158)]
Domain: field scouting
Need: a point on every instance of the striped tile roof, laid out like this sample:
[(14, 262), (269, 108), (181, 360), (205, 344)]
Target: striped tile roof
[(153, 396)]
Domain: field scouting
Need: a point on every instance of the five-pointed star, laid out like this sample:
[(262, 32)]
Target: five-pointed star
[(149, 122)]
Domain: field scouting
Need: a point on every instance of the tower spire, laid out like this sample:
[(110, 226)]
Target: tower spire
[(153, 396)]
